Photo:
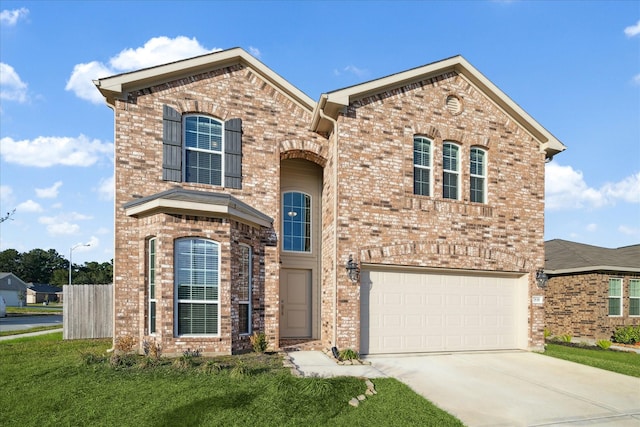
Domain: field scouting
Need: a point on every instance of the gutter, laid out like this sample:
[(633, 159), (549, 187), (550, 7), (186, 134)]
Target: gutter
[(323, 101)]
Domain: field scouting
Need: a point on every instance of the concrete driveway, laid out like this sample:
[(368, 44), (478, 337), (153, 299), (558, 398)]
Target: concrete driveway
[(518, 389)]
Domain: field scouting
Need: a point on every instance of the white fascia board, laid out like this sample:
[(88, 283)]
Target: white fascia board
[(117, 86), (593, 268), (462, 67), (195, 208)]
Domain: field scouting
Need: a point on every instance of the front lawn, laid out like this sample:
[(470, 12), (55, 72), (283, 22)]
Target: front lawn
[(622, 362), (47, 381)]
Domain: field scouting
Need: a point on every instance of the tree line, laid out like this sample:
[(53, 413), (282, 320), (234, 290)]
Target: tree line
[(49, 267)]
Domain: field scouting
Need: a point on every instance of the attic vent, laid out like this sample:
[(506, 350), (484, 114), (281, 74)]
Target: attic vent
[(454, 105)]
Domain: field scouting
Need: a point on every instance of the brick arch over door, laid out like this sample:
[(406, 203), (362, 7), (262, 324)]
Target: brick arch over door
[(308, 150)]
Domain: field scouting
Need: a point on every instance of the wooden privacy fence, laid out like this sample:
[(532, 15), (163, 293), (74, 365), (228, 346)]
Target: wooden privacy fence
[(87, 312)]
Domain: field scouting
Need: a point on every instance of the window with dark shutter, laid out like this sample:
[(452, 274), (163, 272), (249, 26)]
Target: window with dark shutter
[(171, 144), (233, 153)]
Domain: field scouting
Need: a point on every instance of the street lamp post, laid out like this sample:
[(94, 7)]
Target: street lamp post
[(70, 255)]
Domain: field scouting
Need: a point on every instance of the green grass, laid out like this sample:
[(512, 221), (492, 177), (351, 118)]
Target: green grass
[(622, 362), (35, 309), (47, 381)]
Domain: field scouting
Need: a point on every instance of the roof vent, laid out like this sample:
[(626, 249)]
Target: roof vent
[(454, 105)]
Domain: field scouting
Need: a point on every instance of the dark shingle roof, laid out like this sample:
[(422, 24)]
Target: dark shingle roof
[(562, 256)]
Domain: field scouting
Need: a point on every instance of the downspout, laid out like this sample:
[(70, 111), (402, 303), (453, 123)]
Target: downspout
[(323, 102)]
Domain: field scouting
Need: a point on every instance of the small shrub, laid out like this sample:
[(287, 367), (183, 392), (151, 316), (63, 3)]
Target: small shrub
[(125, 344), (626, 335), (566, 338), (240, 369), (191, 353), (211, 367), (547, 333), (259, 342), (92, 358), (152, 349), (348, 354), (121, 360), (603, 344)]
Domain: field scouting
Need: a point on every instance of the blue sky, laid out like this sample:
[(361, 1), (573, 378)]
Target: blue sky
[(574, 66)]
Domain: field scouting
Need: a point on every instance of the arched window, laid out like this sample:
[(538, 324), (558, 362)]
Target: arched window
[(478, 175), (296, 222), (450, 171), (197, 272), (421, 166), (203, 149)]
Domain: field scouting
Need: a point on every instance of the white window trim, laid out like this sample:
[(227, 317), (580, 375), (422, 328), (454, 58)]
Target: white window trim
[(249, 293), (178, 301), (457, 172), (632, 297), (619, 298), (311, 225), (155, 299), (185, 149), (484, 177), (429, 168)]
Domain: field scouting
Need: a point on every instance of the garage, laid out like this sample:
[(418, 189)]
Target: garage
[(413, 311)]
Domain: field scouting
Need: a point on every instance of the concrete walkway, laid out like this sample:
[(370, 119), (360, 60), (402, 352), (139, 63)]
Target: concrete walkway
[(495, 389), (29, 334)]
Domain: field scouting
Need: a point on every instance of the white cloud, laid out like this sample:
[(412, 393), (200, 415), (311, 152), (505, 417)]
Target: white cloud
[(158, 50), (633, 30), (592, 227), (255, 51), (566, 189), (49, 193), (12, 88), (11, 17), (359, 72), (106, 188), (63, 224), (29, 206), (6, 195), (81, 81), (46, 151), (630, 231), (636, 79)]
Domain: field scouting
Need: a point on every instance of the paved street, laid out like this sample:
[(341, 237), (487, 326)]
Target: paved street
[(18, 323)]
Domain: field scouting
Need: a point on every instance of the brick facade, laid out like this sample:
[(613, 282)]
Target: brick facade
[(577, 304), (368, 207)]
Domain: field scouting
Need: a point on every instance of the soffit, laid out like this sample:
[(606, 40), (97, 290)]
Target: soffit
[(116, 87), (197, 203), (332, 103)]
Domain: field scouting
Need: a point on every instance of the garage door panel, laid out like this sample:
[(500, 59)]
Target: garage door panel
[(421, 312)]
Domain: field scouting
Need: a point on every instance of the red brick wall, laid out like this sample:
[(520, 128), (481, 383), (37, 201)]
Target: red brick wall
[(578, 305)]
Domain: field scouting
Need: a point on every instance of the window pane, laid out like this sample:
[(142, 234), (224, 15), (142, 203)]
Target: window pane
[(450, 185), (634, 288), (634, 307), (477, 189), (243, 313), (152, 317), (205, 165), (614, 306), (197, 286), (615, 287), (421, 181), (296, 222), (450, 157)]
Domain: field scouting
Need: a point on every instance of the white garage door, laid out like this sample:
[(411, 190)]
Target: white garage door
[(415, 311)]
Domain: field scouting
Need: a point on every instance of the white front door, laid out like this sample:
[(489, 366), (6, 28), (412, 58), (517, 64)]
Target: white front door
[(295, 303)]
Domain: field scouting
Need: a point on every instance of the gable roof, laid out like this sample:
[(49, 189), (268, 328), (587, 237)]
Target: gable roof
[(116, 87), (562, 257), (11, 285), (332, 103), (43, 288)]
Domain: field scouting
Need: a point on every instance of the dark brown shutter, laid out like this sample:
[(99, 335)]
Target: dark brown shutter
[(171, 144), (233, 153)]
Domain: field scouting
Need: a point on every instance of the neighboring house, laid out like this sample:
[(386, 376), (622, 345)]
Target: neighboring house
[(591, 290), (239, 201), (12, 289), (38, 293)]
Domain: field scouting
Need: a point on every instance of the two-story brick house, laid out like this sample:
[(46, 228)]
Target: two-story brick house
[(239, 201)]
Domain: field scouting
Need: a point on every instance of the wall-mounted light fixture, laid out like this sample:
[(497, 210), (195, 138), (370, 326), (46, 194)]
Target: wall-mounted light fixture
[(541, 278), (352, 269)]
